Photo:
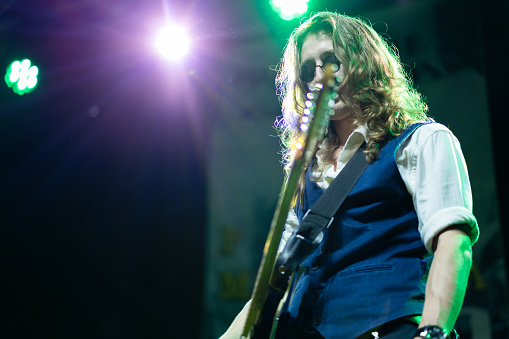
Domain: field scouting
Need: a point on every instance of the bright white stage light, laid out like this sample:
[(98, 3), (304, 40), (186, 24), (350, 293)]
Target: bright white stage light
[(173, 42)]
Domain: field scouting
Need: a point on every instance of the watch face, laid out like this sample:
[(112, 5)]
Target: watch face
[(432, 332), (437, 333)]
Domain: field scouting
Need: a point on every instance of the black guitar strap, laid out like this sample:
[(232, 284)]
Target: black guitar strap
[(322, 213)]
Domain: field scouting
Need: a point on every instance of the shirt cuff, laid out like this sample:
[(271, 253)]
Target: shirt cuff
[(291, 222), (447, 217)]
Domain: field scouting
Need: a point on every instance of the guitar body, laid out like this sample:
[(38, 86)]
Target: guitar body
[(274, 319), (268, 318)]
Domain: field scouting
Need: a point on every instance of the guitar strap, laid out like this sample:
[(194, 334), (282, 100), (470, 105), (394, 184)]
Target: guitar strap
[(321, 215)]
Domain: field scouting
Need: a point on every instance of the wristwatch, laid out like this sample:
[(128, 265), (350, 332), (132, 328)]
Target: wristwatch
[(431, 332)]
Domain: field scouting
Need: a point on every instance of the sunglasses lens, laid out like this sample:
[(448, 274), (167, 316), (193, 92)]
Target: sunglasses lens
[(331, 59), (307, 73)]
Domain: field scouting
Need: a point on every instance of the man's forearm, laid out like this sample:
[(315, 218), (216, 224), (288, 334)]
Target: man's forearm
[(448, 278)]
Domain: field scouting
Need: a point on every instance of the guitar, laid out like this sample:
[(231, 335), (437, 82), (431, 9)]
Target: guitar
[(273, 279)]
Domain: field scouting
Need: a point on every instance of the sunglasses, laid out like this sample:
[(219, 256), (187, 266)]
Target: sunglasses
[(307, 72)]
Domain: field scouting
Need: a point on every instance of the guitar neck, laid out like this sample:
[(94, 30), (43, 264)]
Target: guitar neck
[(303, 157)]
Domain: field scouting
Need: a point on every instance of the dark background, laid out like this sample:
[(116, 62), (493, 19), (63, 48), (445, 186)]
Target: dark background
[(103, 167)]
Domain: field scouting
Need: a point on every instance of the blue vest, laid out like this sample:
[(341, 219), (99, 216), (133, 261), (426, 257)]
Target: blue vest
[(371, 266)]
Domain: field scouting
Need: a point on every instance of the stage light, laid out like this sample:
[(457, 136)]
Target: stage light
[(173, 42), (21, 76), (290, 9)]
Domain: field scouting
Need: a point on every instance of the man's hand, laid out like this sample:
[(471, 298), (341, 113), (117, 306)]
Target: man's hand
[(235, 329)]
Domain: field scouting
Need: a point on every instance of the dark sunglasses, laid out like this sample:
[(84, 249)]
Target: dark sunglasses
[(307, 72)]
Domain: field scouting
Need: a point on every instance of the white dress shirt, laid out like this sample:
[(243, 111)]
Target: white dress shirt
[(433, 169)]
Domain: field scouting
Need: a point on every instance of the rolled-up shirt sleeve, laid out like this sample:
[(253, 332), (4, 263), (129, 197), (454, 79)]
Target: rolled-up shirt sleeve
[(433, 168)]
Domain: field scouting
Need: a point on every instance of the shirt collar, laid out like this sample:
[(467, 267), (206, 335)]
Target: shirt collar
[(358, 136)]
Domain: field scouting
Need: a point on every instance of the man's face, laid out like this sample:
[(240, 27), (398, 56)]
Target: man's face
[(316, 50)]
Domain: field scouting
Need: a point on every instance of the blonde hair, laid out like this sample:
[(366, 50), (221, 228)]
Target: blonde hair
[(375, 86)]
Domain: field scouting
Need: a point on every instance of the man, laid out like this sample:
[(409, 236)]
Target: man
[(396, 260)]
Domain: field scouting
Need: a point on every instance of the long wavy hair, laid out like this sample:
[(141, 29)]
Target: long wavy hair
[(376, 87)]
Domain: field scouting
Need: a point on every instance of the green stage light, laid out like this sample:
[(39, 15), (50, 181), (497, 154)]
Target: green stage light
[(21, 76), (290, 9)]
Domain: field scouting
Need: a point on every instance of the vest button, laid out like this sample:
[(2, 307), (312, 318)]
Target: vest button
[(323, 249), (317, 321), (315, 294)]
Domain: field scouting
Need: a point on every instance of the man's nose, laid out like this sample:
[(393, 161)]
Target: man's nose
[(319, 75)]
